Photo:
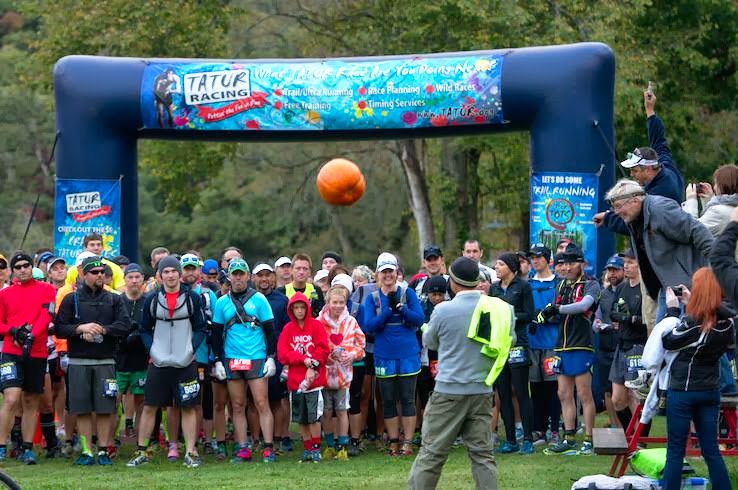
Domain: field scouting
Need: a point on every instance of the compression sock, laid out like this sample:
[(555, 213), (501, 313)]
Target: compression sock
[(48, 429), (624, 417), (343, 441), (570, 436), (316, 443), (15, 433), (129, 423), (85, 447), (329, 439), (26, 446), (307, 444)]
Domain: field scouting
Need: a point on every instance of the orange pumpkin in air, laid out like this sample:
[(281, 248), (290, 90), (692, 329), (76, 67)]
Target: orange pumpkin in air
[(340, 182)]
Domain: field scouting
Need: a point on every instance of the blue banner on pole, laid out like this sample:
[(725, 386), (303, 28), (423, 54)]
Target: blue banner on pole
[(562, 205), (416, 91), (83, 207)]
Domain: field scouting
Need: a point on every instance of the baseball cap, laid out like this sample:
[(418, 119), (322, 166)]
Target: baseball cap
[(283, 261), (320, 275), (387, 261), (540, 250), (432, 251), (189, 260), (44, 257), (91, 263), (627, 253), (343, 280), (82, 256), (237, 264), (559, 258), (210, 266), (53, 260), (121, 260), (262, 267), (636, 158), (572, 253), (131, 268), (437, 284), (614, 262)]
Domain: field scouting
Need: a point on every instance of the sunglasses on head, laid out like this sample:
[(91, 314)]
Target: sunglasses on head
[(24, 265), (96, 272)]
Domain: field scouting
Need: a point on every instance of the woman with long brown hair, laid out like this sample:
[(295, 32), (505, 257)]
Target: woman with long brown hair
[(700, 339)]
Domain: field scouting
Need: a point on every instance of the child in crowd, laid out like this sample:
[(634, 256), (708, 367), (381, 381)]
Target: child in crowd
[(303, 346), (346, 343)]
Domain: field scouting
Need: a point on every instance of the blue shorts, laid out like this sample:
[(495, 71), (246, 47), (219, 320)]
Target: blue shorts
[(575, 362), (389, 368)]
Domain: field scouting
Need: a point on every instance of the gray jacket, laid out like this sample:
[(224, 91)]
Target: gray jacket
[(677, 244)]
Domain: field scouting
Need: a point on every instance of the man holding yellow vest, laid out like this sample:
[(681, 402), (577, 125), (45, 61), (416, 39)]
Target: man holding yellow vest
[(472, 334)]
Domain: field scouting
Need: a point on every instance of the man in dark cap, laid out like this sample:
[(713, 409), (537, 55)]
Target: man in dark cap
[(462, 401), (93, 320), (434, 265), (329, 260)]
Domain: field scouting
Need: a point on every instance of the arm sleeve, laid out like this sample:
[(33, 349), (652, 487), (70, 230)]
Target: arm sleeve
[(578, 307), (723, 261), (414, 316), (430, 335), (146, 327), (268, 328), (64, 321), (615, 223)]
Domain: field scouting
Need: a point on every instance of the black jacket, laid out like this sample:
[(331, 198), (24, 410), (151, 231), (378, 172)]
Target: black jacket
[(697, 365), (722, 260), (520, 295), (85, 306)]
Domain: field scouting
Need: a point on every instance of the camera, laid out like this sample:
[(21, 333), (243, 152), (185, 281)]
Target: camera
[(678, 290)]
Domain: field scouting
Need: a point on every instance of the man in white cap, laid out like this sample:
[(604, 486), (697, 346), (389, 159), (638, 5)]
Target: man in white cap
[(283, 269)]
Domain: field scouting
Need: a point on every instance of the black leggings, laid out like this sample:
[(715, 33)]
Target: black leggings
[(546, 405), (355, 390), (206, 388), (398, 388), (515, 377)]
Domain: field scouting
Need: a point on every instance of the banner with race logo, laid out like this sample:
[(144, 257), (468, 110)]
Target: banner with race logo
[(82, 207), (416, 91), (562, 205)]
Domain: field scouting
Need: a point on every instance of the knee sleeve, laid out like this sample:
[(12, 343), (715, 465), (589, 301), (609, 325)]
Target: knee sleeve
[(407, 395), (388, 386)]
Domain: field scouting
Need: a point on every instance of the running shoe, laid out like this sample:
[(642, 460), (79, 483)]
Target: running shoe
[(342, 455), (85, 459), (268, 455), (393, 449), (192, 460), (353, 449), (527, 448), (67, 450), (587, 449), (211, 447), (139, 458), (316, 455), (28, 457), (103, 458), (554, 439), (563, 447), (55, 452), (507, 448), (242, 455), (286, 445), (539, 438), (329, 453), (307, 456), (173, 453), (221, 453), (407, 448)]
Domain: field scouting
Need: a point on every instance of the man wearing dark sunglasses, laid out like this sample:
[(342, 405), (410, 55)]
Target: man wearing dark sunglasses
[(92, 319), (26, 309)]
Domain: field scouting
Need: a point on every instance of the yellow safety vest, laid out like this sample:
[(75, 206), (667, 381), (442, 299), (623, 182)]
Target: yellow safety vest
[(289, 290), (497, 341)]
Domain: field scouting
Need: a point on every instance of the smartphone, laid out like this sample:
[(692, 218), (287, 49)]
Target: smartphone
[(677, 290), (649, 90)]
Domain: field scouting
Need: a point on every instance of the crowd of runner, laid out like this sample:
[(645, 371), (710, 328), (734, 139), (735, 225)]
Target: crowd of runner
[(219, 355)]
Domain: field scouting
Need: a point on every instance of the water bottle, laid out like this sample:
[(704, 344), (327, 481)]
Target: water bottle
[(97, 339)]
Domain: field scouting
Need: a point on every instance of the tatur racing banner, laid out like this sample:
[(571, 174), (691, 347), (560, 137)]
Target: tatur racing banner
[(562, 205), (413, 92), (82, 207)]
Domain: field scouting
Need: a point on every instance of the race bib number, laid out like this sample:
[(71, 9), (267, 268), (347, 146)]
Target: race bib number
[(201, 373), (110, 388), (379, 370), (551, 365), (633, 365), (8, 371), (189, 390), (239, 364), (517, 356), (141, 382)]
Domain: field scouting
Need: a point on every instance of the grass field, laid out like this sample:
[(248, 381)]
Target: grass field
[(371, 470)]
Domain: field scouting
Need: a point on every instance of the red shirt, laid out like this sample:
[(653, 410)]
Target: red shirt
[(26, 302), (171, 302)]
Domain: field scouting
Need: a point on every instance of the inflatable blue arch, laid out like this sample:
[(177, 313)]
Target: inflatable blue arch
[(562, 95)]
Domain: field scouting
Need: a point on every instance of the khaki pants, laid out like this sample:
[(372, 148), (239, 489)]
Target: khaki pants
[(648, 308), (446, 418)]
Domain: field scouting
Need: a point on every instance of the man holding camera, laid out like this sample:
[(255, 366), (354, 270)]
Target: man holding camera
[(26, 310)]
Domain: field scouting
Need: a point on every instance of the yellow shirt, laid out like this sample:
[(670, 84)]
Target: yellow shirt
[(118, 280)]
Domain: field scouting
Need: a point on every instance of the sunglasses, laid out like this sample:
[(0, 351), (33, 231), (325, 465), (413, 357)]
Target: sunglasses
[(24, 265), (96, 272)]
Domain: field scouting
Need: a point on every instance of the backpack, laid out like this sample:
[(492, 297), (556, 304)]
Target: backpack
[(241, 316), (378, 302), (155, 305)]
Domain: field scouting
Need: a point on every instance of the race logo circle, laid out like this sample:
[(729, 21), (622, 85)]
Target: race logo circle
[(559, 213)]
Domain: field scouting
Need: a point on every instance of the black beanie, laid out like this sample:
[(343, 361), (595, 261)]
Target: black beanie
[(18, 256), (169, 261), (511, 261), (465, 272), (437, 284), (331, 254)]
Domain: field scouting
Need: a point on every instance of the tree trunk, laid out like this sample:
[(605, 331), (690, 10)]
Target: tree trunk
[(343, 239), (412, 164), (461, 164)]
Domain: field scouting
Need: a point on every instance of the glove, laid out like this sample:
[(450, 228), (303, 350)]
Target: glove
[(20, 334), (219, 371), (393, 300), (550, 311), (270, 369)]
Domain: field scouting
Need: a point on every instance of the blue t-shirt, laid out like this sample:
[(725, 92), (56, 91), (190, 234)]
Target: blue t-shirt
[(244, 341), (202, 354)]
